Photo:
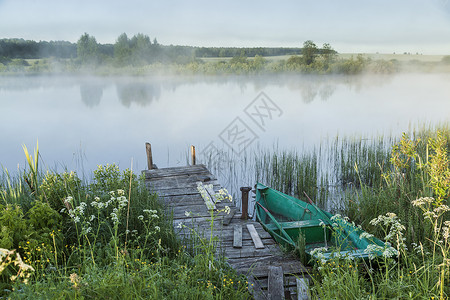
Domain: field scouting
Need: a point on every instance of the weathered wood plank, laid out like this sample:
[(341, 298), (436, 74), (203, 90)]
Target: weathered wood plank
[(250, 252), (302, 289), (229, 217), (206, 197), (255, 288), (209, 188), (275, 283), (237, 238), (184, 170), (174, 183), (255, 236), (164, 192)]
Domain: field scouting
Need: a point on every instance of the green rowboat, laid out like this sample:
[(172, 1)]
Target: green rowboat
[(325, 236)]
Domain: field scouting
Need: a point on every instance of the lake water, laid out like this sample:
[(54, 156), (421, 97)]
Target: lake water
[(83, 121)]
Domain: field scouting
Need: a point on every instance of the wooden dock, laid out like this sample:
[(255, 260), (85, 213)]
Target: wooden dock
[(249, 249)]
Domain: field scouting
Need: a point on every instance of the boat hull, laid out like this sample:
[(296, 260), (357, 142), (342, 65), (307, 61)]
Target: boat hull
[(296, 224)]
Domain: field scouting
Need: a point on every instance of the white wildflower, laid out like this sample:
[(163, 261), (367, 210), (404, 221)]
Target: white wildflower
[(86, 231), (318, 252), (157, 228), (155, 216), (336, 217), (422, 201), (141, 217), (430, 215), (180, 225), (120, 192), (373, 250), (441, 209), (114, 218), (365, 235), (76, 219), (227, 209), (389, 252), (446, 232), (187, 213)]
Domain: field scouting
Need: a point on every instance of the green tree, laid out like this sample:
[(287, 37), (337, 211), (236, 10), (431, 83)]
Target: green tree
[(87, 49), (122, 49), (328, 55), (141, 49), (309, 52)]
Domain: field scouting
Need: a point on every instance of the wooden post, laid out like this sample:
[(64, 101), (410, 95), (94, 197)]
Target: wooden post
[(148, 147), (193, 155), (302, 289), (275, 284), (244, 206)]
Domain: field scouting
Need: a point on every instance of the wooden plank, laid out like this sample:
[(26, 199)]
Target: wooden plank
[(237, 239), (174, 182), (275, 283), (255, 289), (229, 217), (165, 192), (211, 192), (208, 202), (302, 289), (255, 236), (185, 170)]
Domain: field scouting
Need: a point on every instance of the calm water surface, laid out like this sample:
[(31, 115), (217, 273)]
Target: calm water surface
[(81, 122)]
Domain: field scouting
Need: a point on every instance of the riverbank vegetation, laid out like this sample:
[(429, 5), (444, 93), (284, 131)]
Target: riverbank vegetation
[(398, 190), (139, 55), (64, 238)]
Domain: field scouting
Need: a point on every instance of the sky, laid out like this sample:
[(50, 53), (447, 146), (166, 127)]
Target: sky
[(349, 26)]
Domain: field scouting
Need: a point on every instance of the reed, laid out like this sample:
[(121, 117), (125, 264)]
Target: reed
[(83, 239)]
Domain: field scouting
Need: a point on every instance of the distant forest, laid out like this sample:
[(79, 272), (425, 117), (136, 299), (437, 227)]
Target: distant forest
[(29, 49), (141, 55)]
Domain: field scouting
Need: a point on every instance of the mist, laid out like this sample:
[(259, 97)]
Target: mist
[(75, 116)]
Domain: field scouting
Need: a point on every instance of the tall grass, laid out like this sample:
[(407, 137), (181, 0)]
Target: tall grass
[(396, 187), (104, 239)]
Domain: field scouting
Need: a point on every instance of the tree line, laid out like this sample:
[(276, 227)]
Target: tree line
[(137, 49), (147, 55)]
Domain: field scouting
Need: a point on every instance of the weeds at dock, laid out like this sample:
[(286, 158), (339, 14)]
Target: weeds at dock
[(367, 180), (106, 239)]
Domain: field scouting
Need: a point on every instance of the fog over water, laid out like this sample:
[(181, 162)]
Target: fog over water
[(84, 121)]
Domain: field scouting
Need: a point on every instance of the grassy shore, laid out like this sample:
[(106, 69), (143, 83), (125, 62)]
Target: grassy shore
[(62, 238), (395, 187), (398, 189), (346, 63)]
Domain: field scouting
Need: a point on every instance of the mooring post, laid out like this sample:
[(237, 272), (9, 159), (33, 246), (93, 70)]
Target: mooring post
[(148, 147), (193, 155), (244, 206)]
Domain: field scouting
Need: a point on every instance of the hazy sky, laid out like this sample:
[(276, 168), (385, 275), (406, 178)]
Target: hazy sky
[(348, 25)]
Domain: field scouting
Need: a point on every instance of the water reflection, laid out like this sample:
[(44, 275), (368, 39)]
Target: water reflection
[(91, 94), (144, 90), (141, 93)]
